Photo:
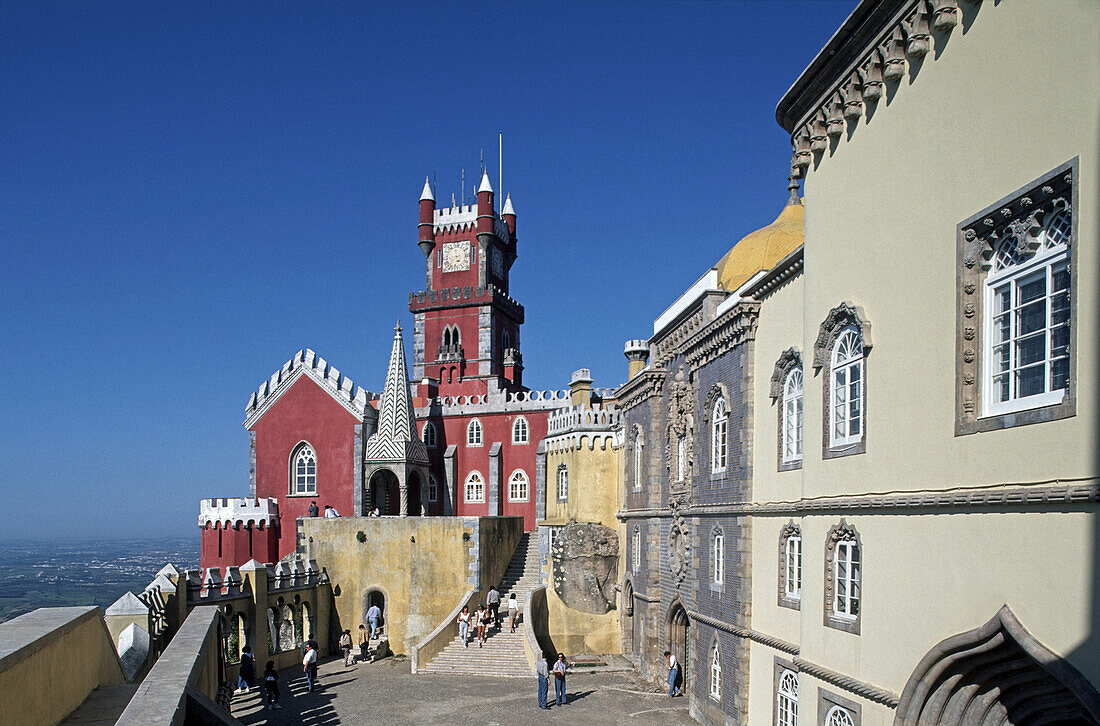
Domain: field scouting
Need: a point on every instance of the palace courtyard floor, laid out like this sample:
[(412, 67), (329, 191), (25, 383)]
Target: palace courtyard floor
[(386, 693)]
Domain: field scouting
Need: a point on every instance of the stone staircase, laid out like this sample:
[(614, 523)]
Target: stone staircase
[(502, 654)]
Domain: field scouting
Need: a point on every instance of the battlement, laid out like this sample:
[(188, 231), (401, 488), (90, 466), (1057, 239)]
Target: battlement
[(583, 418), (233, 511), (448, 296), (319, 369), (215, 584), (463, 218)]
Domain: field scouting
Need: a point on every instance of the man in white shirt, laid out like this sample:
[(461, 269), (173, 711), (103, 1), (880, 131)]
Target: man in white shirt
[(673, 673), (330, 511), (309, 666)]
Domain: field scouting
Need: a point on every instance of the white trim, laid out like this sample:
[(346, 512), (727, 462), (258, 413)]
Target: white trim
[(715, 680), (424, 435), (285, 385), (707, 283), (466, 488), (792, 564), (292, 474), (789, 400), (719, 442), (849, 365), (526, 430), (718, 557), (480, 433), (526, 486)]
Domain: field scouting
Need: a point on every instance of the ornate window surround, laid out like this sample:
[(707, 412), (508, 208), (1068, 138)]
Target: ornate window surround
[(789, 531), (782, 667), (1018, 214), (828, 702), (842, 532), (789, 360), (719, 439), (841, 318), (717, 559), (562, 483), (636, 549), (637, 456), (679, 435)]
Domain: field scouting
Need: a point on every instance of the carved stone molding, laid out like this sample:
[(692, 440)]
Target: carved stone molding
[(790, 529), (679, 548), (842, 316), (681, 426), (842, 532), (733, 327), (789, 359)]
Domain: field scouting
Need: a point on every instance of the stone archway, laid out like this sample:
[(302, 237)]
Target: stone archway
[(382, 492), (626, 607), (415, 501), (679, 641), (1000, 674)]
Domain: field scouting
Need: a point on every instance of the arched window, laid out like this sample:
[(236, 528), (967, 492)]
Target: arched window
[(636, 549), (473, 433), (715, 672), (792, 417), (505, 340), (838, 716), (790, 580), (430, 439), (433, 488), (846, 404), (639, 460), (518, 488), (563, 483), (786, 701), (843, 578), (303, 470), (681, 458), (720, 420), (475, 487), (846, 580), (520, 434), (718, 556)]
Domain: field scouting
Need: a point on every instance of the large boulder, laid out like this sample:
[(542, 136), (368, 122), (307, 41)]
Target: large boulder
[(586, 566)]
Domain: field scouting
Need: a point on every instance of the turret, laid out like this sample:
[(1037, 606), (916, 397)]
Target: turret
[(637, 352), (580, 387), (509, 214), (427, 219), (485, 218)]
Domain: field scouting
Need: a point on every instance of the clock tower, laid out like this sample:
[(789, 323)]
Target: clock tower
[(465, 326)]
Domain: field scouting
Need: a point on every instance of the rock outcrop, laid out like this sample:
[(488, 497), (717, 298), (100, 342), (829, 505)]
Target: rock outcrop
[(586, 566)]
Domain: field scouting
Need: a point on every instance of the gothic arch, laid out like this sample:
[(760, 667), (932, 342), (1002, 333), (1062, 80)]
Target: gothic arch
[(997, 673)]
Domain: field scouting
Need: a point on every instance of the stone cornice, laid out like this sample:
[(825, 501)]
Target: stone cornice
[(789, 267), (1084, 491), (731, 328), (647, 383)]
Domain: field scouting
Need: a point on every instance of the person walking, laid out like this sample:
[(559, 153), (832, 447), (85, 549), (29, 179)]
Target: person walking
[(673, 673), (362, 642), (309, 666), (543, 672), (271, 685), (493, 601), (345, 646), (481, 620), (464, 626), (559, 680), (246, 677), (374, 616), (513, 610)]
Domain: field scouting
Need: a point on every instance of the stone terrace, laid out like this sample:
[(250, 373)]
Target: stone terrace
[(386, 693)]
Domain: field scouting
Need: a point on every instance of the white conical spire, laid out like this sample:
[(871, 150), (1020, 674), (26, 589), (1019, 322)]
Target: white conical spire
[(508, 208), (485, 185), (395, 412), (427, 193)]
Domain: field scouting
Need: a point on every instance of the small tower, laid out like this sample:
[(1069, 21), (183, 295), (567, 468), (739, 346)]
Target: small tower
[(637, 353), (395, 460)]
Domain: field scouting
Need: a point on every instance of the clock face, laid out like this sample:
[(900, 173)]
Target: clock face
[(456, 256), (497, 262)]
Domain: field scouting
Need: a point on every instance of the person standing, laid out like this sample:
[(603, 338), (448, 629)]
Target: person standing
[(559, 680), (309, 666), (513, 610), (493, 600), (313, 511), (330, 512), (345, 646), (673, 673), (464, 626), (374, 616), (481, 620), (246, 678), (543, 671), (271, 685), (362, 642)]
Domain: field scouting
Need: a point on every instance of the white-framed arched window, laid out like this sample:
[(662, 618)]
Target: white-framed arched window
[(793, 567), (792, 416), (639, 460), (838, 716), (433, 488), (473, 433), (303, 470), (518, 487), (715, 672), (563, 483), (520, 431), (475, 487), (846, 389), (786, 699), (719, 427), (718, 556), (431, 440), (636, 549), (846, 583)]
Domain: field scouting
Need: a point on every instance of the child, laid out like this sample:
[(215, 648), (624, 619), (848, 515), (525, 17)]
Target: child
[(271, 685)]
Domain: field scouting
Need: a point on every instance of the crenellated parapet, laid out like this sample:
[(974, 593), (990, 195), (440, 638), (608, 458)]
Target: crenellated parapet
[(582, 418), (355, 399), (236, 512), (498, 401), (489, 295), (216, 583)]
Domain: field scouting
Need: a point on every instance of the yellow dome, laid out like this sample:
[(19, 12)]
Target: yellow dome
[(762, 249)]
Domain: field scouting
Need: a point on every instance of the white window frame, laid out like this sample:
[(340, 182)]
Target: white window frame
[(719, 431), (639, 461), (519, 477), (786, 699), (718, 557), (521, 431), (1051, 257), (847, 555), (563, 483), (429, 435), (433, 489), (636, 549), (793, 390), (475, 485), (474, 433), (839, 716), (716, 672), (847, 366), (304, 484), (793, 564), (681, 458)]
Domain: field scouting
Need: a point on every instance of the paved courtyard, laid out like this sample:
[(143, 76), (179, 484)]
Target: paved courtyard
[(386, 693)]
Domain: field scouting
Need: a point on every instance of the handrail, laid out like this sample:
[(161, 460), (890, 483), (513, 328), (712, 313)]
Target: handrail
[(443, 634)]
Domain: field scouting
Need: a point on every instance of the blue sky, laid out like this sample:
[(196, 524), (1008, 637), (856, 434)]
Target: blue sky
[(191, 192)]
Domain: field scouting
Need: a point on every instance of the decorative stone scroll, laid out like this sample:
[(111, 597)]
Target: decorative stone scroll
[(842, 316), (681, 426), (789, 359)]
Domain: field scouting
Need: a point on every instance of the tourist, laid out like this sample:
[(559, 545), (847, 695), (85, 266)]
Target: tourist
[(345, 646), (309, 666), (673, 673), (246, 678), (559, 680), (374, 615), (362, 642), (330, 511), (493, 600), (513, 610), (271, 685), (481, 620), (313, 509), (375, 512), (464, 626), (543, 672)]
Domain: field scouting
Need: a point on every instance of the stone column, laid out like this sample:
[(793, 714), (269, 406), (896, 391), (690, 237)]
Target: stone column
[(450, 500), (254, 575), (403, 485), (494, 495), (540, 482)]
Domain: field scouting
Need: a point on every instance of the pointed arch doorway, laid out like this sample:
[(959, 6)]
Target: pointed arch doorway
[(679, 641)]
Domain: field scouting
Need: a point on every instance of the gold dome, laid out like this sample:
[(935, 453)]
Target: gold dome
[(762, 249)]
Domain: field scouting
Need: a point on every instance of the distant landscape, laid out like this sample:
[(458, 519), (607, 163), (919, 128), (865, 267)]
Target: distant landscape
[(44, 574)]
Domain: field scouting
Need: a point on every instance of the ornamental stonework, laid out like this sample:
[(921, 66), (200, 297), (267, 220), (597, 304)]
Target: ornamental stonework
[(681, 426)]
